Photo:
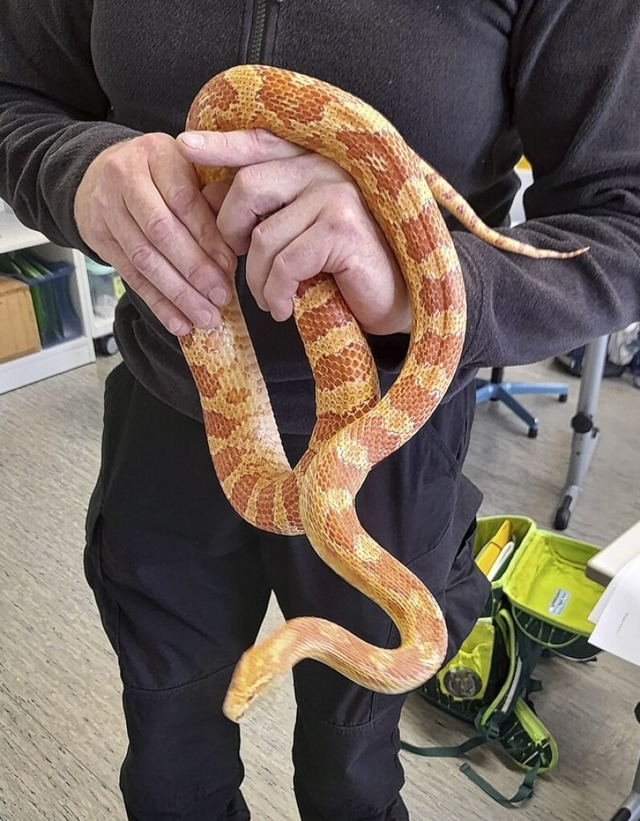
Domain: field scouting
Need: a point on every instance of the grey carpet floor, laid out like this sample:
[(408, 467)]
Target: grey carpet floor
[(61, 730)]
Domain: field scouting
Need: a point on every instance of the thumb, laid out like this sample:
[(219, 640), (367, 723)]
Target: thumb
[(235, 149)]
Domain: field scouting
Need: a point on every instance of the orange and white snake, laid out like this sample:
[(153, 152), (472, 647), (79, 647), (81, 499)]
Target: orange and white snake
[(355, 428)]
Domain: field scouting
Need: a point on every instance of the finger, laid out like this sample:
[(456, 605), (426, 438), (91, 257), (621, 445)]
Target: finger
[(270, 237), (214, 193), (260, 190), (155, 268), (162, 248), (307, 255), (178, 186), (353, 260), (235, 149), (169, 315)]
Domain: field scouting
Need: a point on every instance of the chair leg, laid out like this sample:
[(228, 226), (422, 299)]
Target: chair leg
[(558, 389), (521, 412), (629, 810), (585, 432), (496, 390)]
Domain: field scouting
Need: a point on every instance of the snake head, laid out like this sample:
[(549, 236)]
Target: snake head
[(251, 676), (267, 662)]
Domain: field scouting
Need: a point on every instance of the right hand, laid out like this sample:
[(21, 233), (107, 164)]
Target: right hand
[(140, 207)]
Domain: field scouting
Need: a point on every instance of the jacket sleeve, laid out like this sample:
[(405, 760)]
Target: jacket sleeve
[(53, 112), (575, 85)]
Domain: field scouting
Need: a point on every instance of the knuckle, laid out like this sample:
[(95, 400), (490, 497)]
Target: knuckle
[(207, 235), (182, 198), (346, 195), (179, 296), (281, 265), (225, 225), (143, 258), (133, 277), (227, 142), (196, 272), (117, 167), (157, 228), (119, 158), (262, 235), (155, 303), (153, 142), (261, 139), (345, 214), (247, 179)]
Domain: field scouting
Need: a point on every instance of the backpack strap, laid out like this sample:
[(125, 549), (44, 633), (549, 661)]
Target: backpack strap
[(506, 718), (529, 744), (525, 790), (445, 752)]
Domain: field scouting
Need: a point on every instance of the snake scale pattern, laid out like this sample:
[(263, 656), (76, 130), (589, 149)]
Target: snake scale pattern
[(356, 428)]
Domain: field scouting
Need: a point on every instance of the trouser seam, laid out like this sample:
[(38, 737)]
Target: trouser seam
[(170, 690)]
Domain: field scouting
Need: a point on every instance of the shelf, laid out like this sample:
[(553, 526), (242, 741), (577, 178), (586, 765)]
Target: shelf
[(45, 363), (14, 236), (67, 355)]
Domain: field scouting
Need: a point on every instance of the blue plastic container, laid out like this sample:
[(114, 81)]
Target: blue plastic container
[(49, 284)]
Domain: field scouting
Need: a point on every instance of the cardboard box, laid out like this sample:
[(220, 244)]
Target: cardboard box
[(18, 328)]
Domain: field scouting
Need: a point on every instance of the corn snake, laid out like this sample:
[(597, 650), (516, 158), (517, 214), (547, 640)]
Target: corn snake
[(356, 428)]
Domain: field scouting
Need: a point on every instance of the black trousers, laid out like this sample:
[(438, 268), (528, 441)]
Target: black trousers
[(182, 585)]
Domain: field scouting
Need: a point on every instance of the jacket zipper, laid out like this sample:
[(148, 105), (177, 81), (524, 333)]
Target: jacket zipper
[(262, 11)]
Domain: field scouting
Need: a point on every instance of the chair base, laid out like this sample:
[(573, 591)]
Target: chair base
[(496, 390)]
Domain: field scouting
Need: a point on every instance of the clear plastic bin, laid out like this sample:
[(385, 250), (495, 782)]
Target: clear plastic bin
[(106, 288)]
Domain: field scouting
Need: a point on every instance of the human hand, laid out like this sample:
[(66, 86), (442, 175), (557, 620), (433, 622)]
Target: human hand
[(296, 214), (139, 206)]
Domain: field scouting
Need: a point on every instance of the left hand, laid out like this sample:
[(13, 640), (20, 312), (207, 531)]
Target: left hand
[(295, 214)]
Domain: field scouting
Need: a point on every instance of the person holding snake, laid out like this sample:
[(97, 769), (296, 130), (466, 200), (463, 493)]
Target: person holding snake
[(300, 190)]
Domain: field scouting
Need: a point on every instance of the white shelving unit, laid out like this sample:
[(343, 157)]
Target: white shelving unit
[(67, 355)]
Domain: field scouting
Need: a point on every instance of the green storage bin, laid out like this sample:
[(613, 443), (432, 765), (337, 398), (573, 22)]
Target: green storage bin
[(545, 584), (550, 595), (522, 528)]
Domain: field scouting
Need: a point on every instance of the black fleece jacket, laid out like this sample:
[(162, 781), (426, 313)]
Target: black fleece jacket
[(471, 85)]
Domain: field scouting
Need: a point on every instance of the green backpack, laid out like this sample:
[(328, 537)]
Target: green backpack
[(539, 604)]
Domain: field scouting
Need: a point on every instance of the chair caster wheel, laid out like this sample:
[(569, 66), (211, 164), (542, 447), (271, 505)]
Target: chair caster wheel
[(563, 397), (533, 433), (106, 345), (563, 514)]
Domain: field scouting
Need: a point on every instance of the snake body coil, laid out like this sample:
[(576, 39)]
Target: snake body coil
[(355, 428)]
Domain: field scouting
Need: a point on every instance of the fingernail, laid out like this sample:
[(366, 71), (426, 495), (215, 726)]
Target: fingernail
[(204, 319), (177, 327), (219, 296), (192, 139)]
